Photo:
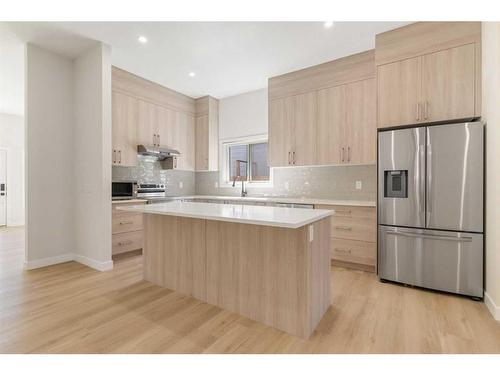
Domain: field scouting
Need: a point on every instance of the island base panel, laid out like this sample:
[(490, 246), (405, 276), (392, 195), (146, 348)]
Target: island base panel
[(273, 275)]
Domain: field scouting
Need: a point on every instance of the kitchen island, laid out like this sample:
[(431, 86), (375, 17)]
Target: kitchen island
[(270, 264)]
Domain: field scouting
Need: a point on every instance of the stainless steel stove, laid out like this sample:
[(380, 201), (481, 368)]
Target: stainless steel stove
[(151, 191)]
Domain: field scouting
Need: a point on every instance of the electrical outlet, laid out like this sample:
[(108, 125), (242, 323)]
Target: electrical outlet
[(358, 185), (287, 185), (181, 184)]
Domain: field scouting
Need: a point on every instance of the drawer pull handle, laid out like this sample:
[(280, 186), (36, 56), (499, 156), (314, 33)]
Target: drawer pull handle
[(341, 250), (124, 243), (126, 222), (340, 227), (342, 211)]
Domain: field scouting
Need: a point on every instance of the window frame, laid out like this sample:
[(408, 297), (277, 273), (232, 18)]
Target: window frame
[(224, 178)]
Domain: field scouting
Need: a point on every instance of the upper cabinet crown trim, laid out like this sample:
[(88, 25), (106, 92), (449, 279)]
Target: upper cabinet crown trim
[(333, 73), (141, 88), (423, 38)]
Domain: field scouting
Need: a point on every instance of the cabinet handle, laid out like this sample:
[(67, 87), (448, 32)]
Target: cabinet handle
[(341, 250), (342, 153), (293, 157), (126, 222), (175, 163), (120, 156), (426, 109), (159, 140), (348, 154), (123, 243), (289, 157), (154, 139), (341, 227), (114, 156), (417, 115)]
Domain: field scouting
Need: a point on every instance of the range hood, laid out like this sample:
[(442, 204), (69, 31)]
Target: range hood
[(160, 152)]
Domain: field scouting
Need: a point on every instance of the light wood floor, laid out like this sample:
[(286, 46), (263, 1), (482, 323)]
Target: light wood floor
[(70, 308)]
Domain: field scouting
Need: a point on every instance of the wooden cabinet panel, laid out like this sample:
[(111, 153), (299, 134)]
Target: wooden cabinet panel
[(185, 142), (398, 93), (124, 130), (331, 121), (359, 252), (304, 129), (129, 241), (280, 134), (148, 123), (448, 84), (201, 144), (350, 211), (354, 229), (125, 222), (360, 123)]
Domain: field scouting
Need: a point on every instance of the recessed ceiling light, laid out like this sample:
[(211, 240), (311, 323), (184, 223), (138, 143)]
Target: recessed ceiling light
[(328, 24), (142, 39), (192, 74)]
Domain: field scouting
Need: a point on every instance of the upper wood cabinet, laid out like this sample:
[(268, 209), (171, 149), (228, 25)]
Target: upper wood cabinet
[(147, 113), (124, 130), (292, 130), (207, 134), (429, 72), (346, 132), (317, 125)]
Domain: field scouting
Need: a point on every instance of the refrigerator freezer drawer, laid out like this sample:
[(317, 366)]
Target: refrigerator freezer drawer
[(446, 261)]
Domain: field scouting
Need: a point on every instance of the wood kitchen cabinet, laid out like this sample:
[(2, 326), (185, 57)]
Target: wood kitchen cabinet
[(428, 72), (148, 127), (292, 130), (207, 134), (124, 129), (346, 131)]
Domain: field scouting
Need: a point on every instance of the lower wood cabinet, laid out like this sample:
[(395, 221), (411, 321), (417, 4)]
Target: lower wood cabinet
[(353, 236), (126, 229)]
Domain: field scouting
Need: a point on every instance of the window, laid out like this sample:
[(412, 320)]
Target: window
[(246, 161)]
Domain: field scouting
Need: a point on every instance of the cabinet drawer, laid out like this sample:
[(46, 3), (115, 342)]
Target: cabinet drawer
[(354, 229), (123, 242), (350, 211), (358, 252), (126, 222)]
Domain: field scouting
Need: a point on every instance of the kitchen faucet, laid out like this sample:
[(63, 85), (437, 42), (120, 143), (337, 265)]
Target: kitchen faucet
[(243, 191)]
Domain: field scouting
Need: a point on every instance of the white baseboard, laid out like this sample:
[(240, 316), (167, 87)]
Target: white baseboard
[(44, 262), (92, 263), (490, 304)]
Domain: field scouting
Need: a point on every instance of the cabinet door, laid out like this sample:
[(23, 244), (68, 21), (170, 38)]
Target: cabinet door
[(148, 123), (304, 129), (280, 131), (166, 126), (399, 93), (185, 142), (331, 119), (448, 79), (360, 125), (201, 144), (124, 130)]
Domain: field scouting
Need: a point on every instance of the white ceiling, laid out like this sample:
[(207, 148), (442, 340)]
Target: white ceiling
[(11, 73), (228, 58)]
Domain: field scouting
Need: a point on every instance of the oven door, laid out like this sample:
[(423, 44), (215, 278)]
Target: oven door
[(441, 260)]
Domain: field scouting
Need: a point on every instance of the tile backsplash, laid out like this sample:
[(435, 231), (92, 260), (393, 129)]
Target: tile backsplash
[(149, 170), (329, 182)]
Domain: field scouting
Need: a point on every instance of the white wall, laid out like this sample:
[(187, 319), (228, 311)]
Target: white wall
[(491, 114), (12, 139), (11, 72), (49, 157), (243, 115), (92, 157)]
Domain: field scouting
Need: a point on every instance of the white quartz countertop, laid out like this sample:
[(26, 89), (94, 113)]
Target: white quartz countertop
[(246, 214), (332, 202)]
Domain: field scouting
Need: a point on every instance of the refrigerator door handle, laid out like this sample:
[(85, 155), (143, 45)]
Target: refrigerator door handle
[(420, 180), (429, 179), (431, 236)]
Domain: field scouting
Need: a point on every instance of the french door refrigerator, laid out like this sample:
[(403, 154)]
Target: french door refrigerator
[(430, 207)]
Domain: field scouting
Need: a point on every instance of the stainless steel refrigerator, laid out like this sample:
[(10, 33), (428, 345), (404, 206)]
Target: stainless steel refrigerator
[(430, 207)]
